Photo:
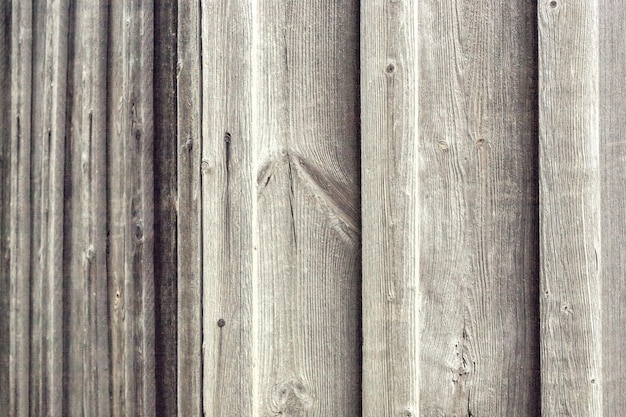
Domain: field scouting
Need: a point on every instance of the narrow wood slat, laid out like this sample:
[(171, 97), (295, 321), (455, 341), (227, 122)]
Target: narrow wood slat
[(306, 299), (569, 154), (48, 159), (612, 73), (389, 155), (165, 209), (130, 204), (20, 232), (189, 84), (5, 196), (86, 389)]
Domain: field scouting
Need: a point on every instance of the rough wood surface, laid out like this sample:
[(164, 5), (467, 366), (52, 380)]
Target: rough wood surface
[(20, 232), (5, 199), (130, 204), (189, 147), (390, 208), (477, 130), (47, 181), (306, 293), (612, 117), (569, 151), (86, 386), (165, 209)]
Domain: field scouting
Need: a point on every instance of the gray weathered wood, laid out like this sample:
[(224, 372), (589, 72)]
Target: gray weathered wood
[(569, 151), (478, 195), (130, 204), (165, 209), (20, 232), (86, 387), (389, 157), (448, 178), (189, 222), (5, 196), (47, 179), (612, 117)]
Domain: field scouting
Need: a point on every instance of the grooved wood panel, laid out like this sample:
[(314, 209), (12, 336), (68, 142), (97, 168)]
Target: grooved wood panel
[(612, 72), (569, 183), (448, 178)]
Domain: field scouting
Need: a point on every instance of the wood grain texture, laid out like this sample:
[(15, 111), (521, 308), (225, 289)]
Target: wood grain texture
[(20, 229), (5, 199), (130, 203), (189, 145), (306, 223), (612, 72), (477, 130), (570, 229), (47, 176), (390, 208), (86, 333), (165, 208)]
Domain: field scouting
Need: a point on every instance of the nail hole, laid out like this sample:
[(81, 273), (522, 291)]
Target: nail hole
[(390, 68), (221, 322), (553, 4)]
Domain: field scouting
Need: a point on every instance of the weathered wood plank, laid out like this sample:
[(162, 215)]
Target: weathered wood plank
[(165, 216), (189, 236), (130, 204), (20, 228), (86, 389), (48, 159), (5, 196), (612, 32), (569, 142), (306, 221), (478, 194), (390, 208), (227, 205), (472, 174)]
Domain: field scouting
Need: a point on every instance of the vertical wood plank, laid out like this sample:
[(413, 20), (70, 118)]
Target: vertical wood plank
[(20, 230), (306, 221), (48, 158), (130, 204), (570, 208), (5, 196), (478, 195), (189, 105), (86, 389), (165, 195), (227, 204), (390, 208), (612, 33)]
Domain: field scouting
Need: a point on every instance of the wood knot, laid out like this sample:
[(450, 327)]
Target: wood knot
[(290, 398)]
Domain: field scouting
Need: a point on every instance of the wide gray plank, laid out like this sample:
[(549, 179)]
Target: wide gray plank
[(189, 83), (391, 334), (612, 32), (569, 151), (20, 232), (130, 207), (86, 387)]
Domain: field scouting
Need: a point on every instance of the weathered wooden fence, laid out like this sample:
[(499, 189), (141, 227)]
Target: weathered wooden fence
[(312, 208)]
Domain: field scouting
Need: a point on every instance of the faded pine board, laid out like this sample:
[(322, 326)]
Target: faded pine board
[(20, 232), (569, 151), (165, 215), (5, 195), (305, 215), (130, 207), (612, 32), (478, 275), (189, 105), (86, 387), (227, 208), (48, 159), (390, 208)]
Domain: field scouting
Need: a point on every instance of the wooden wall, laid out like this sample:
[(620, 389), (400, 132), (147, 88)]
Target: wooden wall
[(312, 208)]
